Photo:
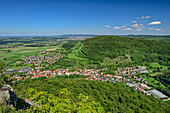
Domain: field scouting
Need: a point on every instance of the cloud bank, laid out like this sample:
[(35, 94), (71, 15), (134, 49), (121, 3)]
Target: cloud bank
[(154, 23)]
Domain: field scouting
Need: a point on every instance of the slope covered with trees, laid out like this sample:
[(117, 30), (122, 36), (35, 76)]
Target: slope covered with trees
[(164, 79), (110, 97), (140, 50), (150, 37)]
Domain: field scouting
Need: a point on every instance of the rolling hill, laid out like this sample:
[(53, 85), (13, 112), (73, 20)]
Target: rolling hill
[(139, 50)]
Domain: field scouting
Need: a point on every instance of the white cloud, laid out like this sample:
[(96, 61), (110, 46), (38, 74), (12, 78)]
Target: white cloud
[(135, 25), (158, 29), (154, 23), (127, 29), (108, 26), (123, 26), (117, 28), (147, 17), (133, 21), (150, 28)]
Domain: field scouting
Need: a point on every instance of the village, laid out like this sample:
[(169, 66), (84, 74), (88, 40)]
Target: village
[(127, 75)]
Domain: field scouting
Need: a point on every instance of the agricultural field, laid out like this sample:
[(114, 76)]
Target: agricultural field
[(9, 54), (15, 48)]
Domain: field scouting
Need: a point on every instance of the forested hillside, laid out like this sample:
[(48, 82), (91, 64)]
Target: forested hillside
[(140, 50), (110, 97), (150, 37), (164, 78)]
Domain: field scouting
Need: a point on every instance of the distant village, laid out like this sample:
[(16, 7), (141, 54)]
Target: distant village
[(127, 75)]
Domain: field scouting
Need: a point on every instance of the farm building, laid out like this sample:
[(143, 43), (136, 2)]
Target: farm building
[(25, 69), (144, 72), (158, 94), (11, 71)]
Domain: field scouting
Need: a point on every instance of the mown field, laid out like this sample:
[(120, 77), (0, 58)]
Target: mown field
[(76, 52), (16, 53)]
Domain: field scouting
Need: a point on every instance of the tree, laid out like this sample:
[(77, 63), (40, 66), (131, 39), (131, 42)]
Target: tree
[(63, 103)]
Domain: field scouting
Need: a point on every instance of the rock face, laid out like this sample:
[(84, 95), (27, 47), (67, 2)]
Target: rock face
[(8, 95)]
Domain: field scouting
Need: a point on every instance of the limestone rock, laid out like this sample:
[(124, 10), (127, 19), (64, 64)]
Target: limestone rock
[(8, 95)]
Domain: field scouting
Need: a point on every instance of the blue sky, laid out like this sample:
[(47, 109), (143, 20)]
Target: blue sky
[(109, 17)]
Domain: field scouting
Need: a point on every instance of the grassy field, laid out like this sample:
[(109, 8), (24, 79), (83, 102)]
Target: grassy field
[(153, 82), (155, 73), (168, 102), (16, 53), (19, 67), (76, 51), (10, 44), (155, 65), (1, 60)]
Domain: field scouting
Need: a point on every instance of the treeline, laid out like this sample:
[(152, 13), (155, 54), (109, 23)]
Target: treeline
[(113, 97), (14, 41), (28, 39), (70, 44), (140, 50), (35, 45), (150, 37), (165, 80)]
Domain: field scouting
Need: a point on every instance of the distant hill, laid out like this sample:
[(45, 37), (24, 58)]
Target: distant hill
[(84, 36), (139, 50), (150, 37)]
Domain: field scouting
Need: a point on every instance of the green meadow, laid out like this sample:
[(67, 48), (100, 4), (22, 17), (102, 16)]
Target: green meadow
[(155, 65), (153, 82), (77, 52), (17, 53)]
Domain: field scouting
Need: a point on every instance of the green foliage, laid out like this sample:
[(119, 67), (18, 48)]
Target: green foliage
[(150, 37), (36, 45), (62, 103), (98, 48), (3, 78), (164, 79), (113, 97), (76, 52), (69, 44)]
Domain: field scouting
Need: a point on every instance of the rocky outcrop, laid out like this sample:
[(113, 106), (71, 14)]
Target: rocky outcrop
[(29, 102), (8, 95), (8, 98)]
